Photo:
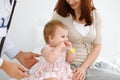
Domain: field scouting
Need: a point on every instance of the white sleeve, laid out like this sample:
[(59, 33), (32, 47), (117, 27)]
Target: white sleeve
[(10, 49), (1, 61)]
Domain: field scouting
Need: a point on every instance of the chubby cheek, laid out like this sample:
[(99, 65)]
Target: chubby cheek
[(58, 41)]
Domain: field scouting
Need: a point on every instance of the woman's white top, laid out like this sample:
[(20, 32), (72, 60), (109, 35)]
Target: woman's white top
[(81, 28)]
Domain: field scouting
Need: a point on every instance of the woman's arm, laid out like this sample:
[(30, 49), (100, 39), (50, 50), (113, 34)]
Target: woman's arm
[(92, 56), (97, 43), (80, 73)]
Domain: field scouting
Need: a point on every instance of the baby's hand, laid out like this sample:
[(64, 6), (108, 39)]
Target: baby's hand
[(68, 44)]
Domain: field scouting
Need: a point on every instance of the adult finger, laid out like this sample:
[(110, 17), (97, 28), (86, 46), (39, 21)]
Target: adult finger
[(35, 55), (79, 75), (23, 74)]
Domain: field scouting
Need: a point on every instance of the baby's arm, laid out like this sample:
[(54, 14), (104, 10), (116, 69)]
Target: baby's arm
[(52, 54), (70, 54)]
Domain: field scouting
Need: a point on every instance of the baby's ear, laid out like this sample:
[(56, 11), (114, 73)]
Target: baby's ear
[(50, 38)]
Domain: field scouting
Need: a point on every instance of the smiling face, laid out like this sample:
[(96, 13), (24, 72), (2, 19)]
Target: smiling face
[(61, 35), (75, 4)]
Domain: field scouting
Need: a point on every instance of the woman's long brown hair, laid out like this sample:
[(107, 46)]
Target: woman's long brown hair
[(64, 9)]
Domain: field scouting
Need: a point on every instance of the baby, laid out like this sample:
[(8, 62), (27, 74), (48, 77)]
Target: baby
[(56, 55)]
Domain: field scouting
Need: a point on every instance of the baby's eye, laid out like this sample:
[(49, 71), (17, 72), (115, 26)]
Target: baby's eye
[(63, 36)]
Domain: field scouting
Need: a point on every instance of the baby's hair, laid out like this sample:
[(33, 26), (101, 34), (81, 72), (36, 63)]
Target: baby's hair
[(50, 29)]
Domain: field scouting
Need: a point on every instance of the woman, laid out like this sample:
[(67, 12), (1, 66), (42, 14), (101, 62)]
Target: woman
[(84, 25)]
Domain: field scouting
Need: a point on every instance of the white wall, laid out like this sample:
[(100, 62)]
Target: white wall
[(111, 15), (28, 18), (30, 15)]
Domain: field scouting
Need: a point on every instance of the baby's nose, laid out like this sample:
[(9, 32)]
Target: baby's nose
[(66, 39)]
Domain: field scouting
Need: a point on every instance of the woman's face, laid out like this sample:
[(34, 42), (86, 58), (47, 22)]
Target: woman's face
[(75, 4)]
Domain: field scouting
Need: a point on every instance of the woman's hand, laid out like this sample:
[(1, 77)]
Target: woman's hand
[(79, 74)]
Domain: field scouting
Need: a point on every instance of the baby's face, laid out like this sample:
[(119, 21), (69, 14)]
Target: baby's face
[(61, 35)]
